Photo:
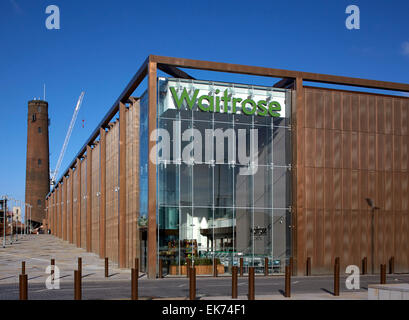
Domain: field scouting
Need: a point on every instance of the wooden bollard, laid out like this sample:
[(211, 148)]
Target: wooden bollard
[(251, 284), (192, 284), (336, 277), (134, 283), (214, 268), (23, 286), (365, 265), (241, 267), (80, 266), (383, 274), (308, 271), (266, 266), (234, 272), (392, 265), (23, 267), (160, 268), (106, 268), (77, 286), (287, 291)]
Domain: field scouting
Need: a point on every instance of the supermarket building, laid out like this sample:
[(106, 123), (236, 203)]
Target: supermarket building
[(217, 172)]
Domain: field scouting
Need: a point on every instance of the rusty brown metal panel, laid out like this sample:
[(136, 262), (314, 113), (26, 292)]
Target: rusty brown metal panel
[(397, 116), (122, 186), (354, 150), (88, 220), (354, 112), (95, 197), (363, 151), (318, 102), (59, 210), (64, 209), (355, 190), (337, 149), (74, 205), (79, 201), (102, 204), (152, 68), (319, 188), (328, 240), (328, 110), (309, 147), (355, 244), (83, 220), (337, 189), (337, 111), (309, 188), (404, 120), (388, 152), (346, 111), (372, 155), (319, 148), (71, 206), (346, 149), (310, 234), (372, 114), (363, 113), (319, 239), (397, 149), (380, 115), (388, 118)]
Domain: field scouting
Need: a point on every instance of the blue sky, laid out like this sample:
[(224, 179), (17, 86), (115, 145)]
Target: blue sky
[(102, 43)]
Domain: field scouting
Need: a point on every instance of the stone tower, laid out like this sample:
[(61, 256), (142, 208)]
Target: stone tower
[(37, 163)]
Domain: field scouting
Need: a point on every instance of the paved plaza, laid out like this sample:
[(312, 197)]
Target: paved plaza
[(38, 250)]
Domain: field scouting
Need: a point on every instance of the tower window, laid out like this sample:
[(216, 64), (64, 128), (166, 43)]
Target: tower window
[(39, 109), (39, 162), (39, 202), (34, 117), (39, 129)]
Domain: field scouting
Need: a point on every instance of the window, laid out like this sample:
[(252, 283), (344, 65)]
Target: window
[(39, 202), (33, 117), (39, 109), (39, 162), (39, 129)]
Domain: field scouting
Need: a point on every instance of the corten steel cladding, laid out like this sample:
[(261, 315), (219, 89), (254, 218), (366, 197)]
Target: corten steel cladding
[(251, 284), (37, 162), (308, 271), (392, 265), (23, 286), (241, 267), (77, 285), (383, 274), (106, 268), (134, 284), (23, 267), (234, 272), (365, 265), (214, 267), (287, 292), (266, 266), (336, 277)]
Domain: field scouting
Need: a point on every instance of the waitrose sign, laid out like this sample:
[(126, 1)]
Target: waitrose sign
[(221, 97)]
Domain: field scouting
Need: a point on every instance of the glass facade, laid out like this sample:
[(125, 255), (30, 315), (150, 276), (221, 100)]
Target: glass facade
[(214, 199)]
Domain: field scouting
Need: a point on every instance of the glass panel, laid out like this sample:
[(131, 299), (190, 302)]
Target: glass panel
[(223, 185), (168, 225), (263, 187), (243, 187), (168, 184), (203, 185)]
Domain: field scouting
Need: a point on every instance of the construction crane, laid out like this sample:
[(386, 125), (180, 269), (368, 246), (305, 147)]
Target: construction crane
[(67, 137)]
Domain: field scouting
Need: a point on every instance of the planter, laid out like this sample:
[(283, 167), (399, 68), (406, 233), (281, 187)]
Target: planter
[(200, 269)]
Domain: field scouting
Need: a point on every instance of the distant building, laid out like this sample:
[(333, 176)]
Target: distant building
[(17, 214)]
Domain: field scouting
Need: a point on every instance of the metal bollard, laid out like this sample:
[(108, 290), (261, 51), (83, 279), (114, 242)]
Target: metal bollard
[(336, 277), (23, 286), (160, 268), (134, 283), (383, 274), (266, 266), (77, 286), (308, 271), (23, 267), (136, 263), (291, 264), (392, 265), (188, 266), (234, 272), (106, 268), (251, 283), (365, 265), (241, 267), (52, 269), (214, 268), (287, 292), (80, 266), (192, 283)]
